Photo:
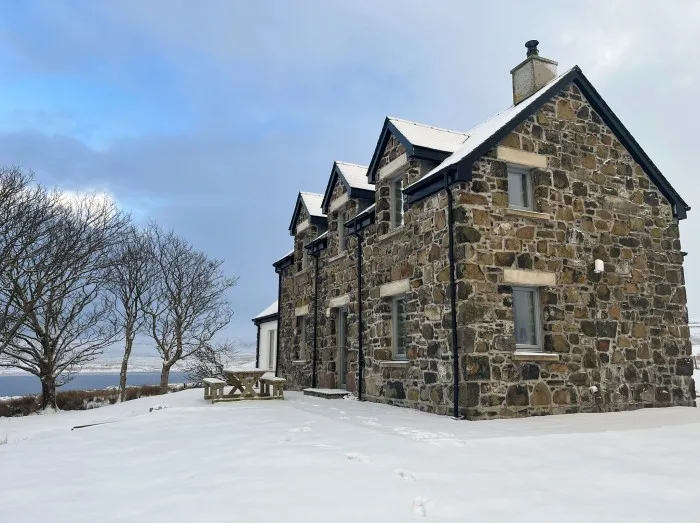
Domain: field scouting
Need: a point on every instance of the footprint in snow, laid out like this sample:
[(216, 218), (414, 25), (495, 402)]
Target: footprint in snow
[(343, 417), (309, 422), (404, 474), (370, 423), (358, 458), (419, 507), (299, 429)]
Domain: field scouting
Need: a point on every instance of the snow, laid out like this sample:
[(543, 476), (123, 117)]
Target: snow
[(485, 130), (179, 458), (355, 175), (312, 202), (271, 309), (428, 136)]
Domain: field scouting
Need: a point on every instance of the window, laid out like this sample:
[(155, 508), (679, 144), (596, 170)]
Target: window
[(519, 188), (397, 202), (304, 258), (301, 327), (526, 316), (341, 232), (398, 327), (272, 341)]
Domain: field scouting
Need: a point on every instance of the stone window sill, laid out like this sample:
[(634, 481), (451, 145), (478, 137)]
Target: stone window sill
[(395, 363), (298, 362), (302, 272), (340, 256), (534, 356), (393, 232), (528, 214)]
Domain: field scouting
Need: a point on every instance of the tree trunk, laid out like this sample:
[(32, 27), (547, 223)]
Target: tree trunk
[(164, 377), (48, 392), (128, 344)]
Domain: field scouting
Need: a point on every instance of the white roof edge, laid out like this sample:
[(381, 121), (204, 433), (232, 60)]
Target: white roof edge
[(268, 311)]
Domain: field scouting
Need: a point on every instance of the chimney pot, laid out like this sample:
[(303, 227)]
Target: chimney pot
[(532, 47)]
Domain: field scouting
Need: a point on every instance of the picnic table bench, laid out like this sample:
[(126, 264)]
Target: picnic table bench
[(213, 388), (272, 386), (243, 383)]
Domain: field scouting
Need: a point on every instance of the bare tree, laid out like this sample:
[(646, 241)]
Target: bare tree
[(187, 304), (69, 316), (210, 361), (25, 215), (128, 279)]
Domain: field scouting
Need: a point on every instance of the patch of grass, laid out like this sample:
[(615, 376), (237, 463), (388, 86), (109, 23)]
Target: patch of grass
[(77, 400)]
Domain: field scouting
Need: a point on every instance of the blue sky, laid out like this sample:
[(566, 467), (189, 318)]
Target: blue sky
[(209, 117)]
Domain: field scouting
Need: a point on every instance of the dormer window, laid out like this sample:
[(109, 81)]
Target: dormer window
[(519, 188), (397, 202)]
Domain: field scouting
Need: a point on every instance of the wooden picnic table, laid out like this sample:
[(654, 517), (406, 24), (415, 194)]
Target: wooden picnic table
[(244, 380)]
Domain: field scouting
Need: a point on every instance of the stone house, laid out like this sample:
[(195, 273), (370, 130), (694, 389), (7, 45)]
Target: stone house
[(531, 265)]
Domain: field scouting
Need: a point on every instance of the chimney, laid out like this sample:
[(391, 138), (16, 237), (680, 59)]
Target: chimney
[(532, 74)]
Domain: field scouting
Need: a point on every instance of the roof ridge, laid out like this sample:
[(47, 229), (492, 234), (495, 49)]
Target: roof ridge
[(465, 133), (311, 193), (351, 163)]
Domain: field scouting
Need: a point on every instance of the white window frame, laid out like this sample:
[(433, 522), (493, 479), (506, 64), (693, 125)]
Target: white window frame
[(398, 352), (271, 348), (302, 338), (396, 220), (526, 174), (341, 231), (538, 320)]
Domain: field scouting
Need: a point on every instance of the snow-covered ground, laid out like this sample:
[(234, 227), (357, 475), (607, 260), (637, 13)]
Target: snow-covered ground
[(311, 460)]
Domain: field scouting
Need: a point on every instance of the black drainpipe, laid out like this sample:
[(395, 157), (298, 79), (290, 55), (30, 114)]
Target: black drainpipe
[(279, 320), (313, 364), (453, 299), (360, 353), (257, 348)]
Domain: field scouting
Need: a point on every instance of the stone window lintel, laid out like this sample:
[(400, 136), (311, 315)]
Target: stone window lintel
[(523, 213), (395, 363), (340, 256), (523, 355)]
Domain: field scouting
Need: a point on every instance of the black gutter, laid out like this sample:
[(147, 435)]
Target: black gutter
[(265, 319), (453, 297), (313, 365)]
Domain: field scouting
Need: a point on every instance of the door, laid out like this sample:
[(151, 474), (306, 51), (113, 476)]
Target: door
[(342, 348)]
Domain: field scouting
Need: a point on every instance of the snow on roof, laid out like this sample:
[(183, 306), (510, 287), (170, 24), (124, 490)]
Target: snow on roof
[(355, 175), (312, 202), (485, 130), (269, 311), (428, 136)]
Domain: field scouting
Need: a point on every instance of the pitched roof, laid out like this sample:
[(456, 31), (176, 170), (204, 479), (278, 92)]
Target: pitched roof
[(428, 136), (311, 201), (353, 177), (419, 140), (271, 310), (487, 135)]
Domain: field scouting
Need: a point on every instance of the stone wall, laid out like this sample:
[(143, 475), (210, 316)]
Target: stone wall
[(418, 252), (622, 333), (612, 341)]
